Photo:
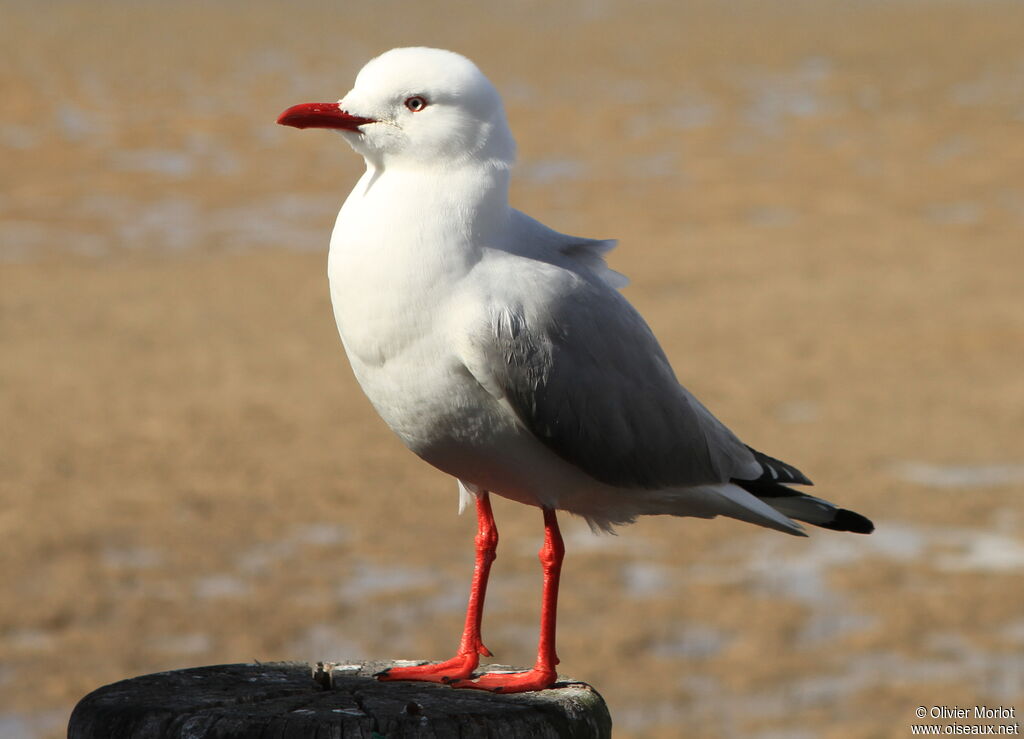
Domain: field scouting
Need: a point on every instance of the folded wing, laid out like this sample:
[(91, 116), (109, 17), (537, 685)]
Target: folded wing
[(583, 372)]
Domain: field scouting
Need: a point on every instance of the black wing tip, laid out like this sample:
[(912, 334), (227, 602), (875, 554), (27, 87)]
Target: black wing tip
[(763, 488), (847, 520), (775, 470)]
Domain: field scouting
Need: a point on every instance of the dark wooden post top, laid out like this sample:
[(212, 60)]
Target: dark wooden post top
[(288, 700)]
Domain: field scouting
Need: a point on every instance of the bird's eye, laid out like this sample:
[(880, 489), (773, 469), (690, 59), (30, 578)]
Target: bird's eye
[(416, 103)]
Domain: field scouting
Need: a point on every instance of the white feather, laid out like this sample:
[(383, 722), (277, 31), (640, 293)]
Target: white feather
[(468, 492)]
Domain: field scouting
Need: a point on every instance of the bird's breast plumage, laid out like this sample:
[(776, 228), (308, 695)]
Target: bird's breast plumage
[(394, 269)]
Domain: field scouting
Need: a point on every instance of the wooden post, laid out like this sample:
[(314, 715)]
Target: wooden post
[(288, 700)]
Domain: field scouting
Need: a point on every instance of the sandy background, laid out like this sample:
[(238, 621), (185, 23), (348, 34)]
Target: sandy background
[(821, 207)]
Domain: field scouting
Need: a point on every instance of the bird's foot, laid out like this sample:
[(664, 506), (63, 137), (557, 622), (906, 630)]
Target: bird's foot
[(458, 667), (510, 682)]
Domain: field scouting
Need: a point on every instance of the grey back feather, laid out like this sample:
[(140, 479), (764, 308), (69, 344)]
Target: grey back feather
[(583, 256)]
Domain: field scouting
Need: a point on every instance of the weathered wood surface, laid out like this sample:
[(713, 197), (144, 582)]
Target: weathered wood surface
[(291, 700)]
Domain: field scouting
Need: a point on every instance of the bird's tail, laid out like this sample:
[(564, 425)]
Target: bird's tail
[(794, 504), (815, 511)]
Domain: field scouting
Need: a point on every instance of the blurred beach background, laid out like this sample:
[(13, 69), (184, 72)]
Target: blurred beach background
[(820, 206)]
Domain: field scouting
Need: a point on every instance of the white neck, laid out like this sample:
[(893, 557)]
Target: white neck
[(403, 240), (425, 210)]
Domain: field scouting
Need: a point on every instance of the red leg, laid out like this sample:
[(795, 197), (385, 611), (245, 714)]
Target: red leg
[(543, 673), (471, 646)]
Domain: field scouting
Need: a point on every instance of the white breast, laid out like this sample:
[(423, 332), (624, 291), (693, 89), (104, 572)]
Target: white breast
[(397, 256)]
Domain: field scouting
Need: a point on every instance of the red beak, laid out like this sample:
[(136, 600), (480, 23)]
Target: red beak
[(321, 115)]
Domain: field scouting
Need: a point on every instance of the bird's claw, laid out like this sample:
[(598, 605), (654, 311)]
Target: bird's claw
[(509, 682), (459, 667)]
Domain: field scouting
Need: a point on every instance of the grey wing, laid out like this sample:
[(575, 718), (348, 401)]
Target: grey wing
[(583, 372)]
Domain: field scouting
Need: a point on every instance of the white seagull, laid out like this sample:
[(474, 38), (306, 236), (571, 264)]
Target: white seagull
[(500, 350)]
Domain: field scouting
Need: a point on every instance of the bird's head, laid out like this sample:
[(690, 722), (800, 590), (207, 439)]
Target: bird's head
[(417, 107)]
